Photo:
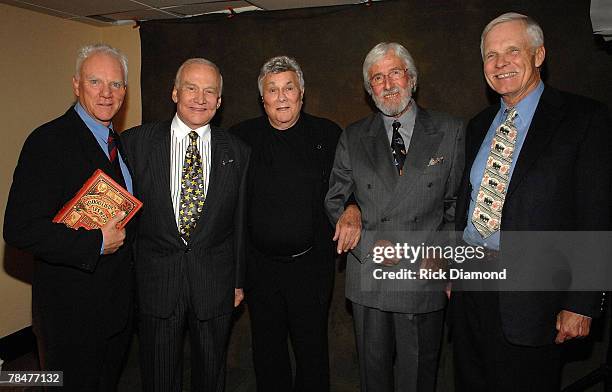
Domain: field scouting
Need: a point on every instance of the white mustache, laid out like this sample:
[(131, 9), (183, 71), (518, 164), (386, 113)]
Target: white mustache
[(393, 90)]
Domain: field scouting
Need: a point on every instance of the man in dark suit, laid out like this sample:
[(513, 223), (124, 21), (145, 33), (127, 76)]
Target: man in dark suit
[(189, 251), (401, 164), (82, 283), (555, 177)]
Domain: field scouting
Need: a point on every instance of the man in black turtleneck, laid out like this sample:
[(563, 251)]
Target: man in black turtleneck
[(291, 269)]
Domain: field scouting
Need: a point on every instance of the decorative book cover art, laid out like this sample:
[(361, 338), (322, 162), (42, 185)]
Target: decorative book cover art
[(98, 200)]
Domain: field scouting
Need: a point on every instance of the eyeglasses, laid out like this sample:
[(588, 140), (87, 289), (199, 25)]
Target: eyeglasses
[(395, 74)]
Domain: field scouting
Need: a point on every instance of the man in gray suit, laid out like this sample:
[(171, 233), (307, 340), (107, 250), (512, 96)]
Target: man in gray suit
[(401, 164)]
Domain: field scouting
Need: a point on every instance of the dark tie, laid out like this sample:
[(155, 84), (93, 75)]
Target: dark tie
[(113, 155), (192, 188), (112, 146), (398, 148)]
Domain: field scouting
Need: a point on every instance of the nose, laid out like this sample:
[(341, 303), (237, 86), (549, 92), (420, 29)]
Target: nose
[(282, 96), (199, 97), (106, 90), (387, 82), (501, 61)]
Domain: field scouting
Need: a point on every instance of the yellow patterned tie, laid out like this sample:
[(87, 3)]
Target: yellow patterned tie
[(494, 184), (192, 188)]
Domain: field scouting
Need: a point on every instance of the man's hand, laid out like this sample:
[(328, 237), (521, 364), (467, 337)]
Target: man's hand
[(238, 297), (113, 237), (571, 325), (348, 229)]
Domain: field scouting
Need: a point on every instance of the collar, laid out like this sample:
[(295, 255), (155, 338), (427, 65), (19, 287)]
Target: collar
[(526, 106), (180, 130), (100, 131), (406, 118)]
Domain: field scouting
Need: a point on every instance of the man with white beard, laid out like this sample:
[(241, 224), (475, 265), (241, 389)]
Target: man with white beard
[(401, 164)]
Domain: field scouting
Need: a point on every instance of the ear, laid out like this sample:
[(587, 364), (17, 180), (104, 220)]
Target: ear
[(218, 102), (540, 54), (302, 94), (174, 95), (75, 86)]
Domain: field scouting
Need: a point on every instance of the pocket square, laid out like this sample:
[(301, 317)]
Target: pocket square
[(435, 161)]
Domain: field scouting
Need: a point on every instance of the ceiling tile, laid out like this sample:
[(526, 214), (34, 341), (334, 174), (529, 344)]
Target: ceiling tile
[(284, 4), (143, 14), (202, 8), (84, 8), (172, 3)]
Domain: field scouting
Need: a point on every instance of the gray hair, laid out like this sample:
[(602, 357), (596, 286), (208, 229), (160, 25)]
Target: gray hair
[(197, 60), (89, 50), (378, 52), (533, 29), (277, 65)]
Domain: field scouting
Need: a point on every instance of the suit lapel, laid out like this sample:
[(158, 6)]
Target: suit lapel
[(219, 146), (423, 144), (89, 145), (159, 164), (545, 121), (376, 145)]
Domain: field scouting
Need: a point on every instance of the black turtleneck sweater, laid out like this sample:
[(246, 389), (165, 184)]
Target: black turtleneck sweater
[(288, 170)]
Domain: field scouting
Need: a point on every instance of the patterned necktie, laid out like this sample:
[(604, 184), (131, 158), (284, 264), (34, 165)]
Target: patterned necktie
[(112, 145), (398, 148), (192, 188), (492, 192), (113, 151)]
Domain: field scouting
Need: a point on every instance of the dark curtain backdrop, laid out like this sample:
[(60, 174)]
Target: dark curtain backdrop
[(330, 44)]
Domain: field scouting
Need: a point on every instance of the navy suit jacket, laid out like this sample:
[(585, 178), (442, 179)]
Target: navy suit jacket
[(561, 182)]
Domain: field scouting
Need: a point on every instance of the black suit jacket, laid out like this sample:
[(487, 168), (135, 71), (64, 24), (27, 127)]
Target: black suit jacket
[(214, 258), (74, 288), (561, 182)]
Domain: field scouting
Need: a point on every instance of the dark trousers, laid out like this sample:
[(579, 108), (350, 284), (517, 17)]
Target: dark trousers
[(485, 361), (90, 363), (291, 300), (161, 349), (397, 351)]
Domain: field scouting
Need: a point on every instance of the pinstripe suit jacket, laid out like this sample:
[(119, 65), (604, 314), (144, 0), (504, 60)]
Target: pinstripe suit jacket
[(395, 208), (213, 260)]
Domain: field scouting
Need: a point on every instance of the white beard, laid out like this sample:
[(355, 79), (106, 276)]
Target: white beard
[(392, 110)]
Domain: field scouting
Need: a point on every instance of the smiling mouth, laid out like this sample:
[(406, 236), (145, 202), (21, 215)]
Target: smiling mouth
[(284, 108), (506, 75)]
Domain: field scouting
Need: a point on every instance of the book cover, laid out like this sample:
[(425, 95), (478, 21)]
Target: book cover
[(98, 200)]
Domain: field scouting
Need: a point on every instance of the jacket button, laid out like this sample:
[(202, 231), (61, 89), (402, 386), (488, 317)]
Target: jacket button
[(385, 220), (187, 249)]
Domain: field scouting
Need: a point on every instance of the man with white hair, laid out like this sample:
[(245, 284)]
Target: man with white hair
[(401, 163), (555, 176), (82, 283), (189, 249)]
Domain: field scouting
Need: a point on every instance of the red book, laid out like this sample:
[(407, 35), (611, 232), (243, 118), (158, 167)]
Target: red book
[(98, 200)]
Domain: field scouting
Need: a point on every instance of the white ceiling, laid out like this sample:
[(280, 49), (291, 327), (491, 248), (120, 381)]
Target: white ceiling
[(123, 11)]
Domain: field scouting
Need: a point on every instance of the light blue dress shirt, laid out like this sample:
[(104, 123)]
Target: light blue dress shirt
[(525, 109), (100, 132)]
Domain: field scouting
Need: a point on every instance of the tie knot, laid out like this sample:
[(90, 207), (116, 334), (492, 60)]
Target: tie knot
[(396, 125), (193, 135), (112, 136), (511, 114)]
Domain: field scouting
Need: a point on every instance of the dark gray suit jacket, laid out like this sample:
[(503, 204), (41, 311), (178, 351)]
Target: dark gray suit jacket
[(214, 258), (399, 209)]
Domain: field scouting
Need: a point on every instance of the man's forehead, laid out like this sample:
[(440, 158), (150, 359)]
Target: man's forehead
[(390, 59), (281, 77), (99, 62)]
